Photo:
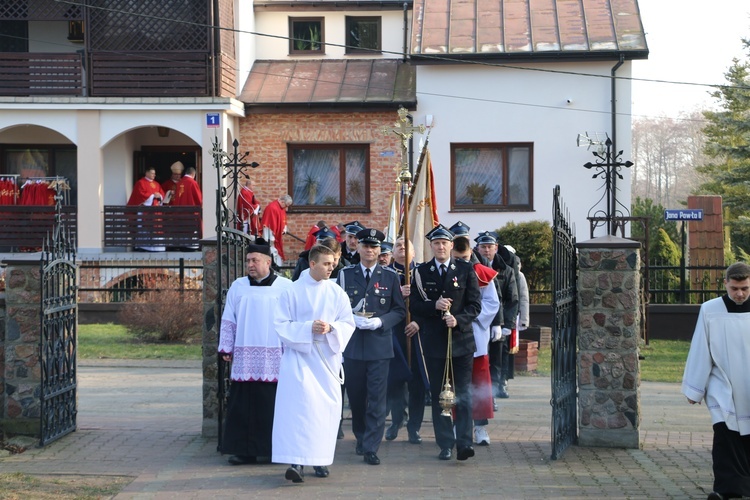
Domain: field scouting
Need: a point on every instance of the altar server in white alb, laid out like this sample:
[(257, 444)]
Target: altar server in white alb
[(716, 371), (248, 339), (314, 321)]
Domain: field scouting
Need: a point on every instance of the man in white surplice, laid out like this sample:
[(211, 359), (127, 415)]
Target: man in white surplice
[(716, 371), (314, 321)]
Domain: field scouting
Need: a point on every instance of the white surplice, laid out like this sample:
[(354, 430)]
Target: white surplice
[(255, 348), (716, 367), (481, 325), (308, 397)]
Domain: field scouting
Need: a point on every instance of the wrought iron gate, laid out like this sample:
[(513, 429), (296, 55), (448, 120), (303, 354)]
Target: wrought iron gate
[(231, 247), (564, 379), (59, 331)]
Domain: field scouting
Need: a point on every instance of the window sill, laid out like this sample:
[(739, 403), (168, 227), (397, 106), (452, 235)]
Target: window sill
[(479, 208)]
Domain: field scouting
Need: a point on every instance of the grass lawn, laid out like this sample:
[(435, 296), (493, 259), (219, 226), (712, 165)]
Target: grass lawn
[(113, 341), (664, 361), (18, 486)]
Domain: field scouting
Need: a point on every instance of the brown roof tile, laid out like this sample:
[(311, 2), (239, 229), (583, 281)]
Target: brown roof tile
[(527, 28), (350, 81)]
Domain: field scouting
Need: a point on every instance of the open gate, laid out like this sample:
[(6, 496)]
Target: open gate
[(59, 331), (231, 248), (564, 377)]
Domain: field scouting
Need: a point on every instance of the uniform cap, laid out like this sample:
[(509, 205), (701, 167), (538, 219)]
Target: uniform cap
[(460, 229), (370, 237), (386, 247), (510, 249), (439, 232), (353, 227), (324, 233), (486, 237)]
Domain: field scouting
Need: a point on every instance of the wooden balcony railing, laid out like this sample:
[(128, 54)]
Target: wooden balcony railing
[(36, 73), (152, 226), (151, 74), (24, 227)]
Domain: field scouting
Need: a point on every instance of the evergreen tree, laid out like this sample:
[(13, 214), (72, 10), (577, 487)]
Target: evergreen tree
[(728, 150)]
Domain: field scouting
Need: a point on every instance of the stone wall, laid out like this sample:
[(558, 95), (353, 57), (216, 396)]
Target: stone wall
[(19, 347), (608, 326), (210, 427)]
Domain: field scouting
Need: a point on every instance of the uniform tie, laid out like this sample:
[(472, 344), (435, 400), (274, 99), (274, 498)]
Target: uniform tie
[(367, 275), (443, 272)]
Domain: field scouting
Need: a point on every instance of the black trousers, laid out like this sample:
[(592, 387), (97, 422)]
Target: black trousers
[(731, 460), (366, 385), (409, 395), (462, 368), (248, 426)]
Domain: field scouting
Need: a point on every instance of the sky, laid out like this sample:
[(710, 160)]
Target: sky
[(690, 41)]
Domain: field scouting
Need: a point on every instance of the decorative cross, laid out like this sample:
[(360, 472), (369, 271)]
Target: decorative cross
[(230, 165), (608, 168), (404, 130)]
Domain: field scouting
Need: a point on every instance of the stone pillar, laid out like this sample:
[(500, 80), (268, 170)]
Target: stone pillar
[(21, 387), (210, 427), (608, 326)]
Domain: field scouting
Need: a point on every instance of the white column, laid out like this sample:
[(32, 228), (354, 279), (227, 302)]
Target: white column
[(90, 183)]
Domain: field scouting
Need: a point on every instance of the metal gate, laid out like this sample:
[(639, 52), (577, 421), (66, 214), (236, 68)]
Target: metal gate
[(231, 248), (59, 331), (564, 379)]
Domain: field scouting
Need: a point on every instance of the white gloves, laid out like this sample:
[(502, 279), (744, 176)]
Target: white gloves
[(506, 332), (522, 328), (367, 323), (496, 333)]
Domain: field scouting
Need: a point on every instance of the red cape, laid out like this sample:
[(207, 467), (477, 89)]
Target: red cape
[(246, 204), (142, 190), (484, 274), (274, 218), (311, 239), (187, 193)]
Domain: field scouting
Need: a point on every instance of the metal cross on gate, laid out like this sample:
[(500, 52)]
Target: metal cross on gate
[(608, 166), (229, 165)]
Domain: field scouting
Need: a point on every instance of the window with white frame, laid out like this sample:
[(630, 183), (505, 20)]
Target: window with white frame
[(492, 176)]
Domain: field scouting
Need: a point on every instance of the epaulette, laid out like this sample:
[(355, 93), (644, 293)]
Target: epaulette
[(390, 269), (350, 266)]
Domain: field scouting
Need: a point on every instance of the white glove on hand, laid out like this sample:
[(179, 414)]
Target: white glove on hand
[(522, 328), (359, 322), (506, 332), (284, 231), (496, 333), (372, 324)]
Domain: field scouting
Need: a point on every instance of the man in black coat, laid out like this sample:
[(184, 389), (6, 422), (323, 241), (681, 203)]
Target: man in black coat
[(349, 250), (375, 295), (501, 360), (446, 297)]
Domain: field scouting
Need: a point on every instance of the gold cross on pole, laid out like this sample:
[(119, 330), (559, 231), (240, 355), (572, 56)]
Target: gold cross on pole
[(404, 130)]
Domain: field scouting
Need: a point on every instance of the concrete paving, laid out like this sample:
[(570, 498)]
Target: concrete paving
[(143, 419)]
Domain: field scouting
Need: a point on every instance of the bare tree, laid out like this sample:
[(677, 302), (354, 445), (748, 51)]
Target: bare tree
[(666, 152)]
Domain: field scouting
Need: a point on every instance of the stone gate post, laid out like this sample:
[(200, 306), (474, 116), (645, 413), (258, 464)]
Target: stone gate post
[(20, 380), (608, 335), (210, 427)]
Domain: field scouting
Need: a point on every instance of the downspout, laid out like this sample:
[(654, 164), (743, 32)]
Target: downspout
[(406, 30), (613, 228)]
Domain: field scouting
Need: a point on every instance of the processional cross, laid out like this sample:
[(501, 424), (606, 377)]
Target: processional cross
[(405, 130)]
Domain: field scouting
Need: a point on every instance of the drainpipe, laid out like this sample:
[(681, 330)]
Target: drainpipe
[(215, 49), (613, 228), (406, 29)]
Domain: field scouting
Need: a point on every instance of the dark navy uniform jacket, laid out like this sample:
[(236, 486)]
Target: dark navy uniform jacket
[(383, 298), (462, 286)]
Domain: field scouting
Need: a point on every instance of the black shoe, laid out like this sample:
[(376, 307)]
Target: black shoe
[(295, 474), (371, 458), (715, 496), (465, 453), (415, 438), (341, 431), (391, 432), (445, 454), (502, 393), (358, 449), (321, 471), (241, 460)]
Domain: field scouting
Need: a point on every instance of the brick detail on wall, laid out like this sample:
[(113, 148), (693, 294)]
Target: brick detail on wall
[(265, 138)]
